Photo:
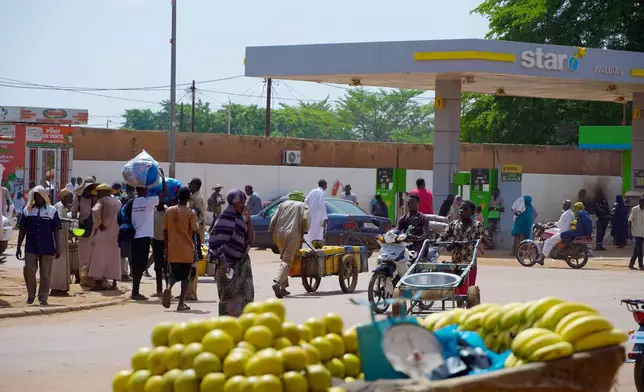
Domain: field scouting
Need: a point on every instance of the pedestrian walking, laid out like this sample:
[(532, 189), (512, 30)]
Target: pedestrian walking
[(40, 225), (316, 201), (179, 227), (288, 226), (446, 206), (619, 224), (215, 202), (199, 207), (62, 267), (636, 228), (82, 210), (254, 201), (425, 196), (105, 260), (143, 224), (229, 244), (348, 195), (124, 246), (602, 211), (158, 249)]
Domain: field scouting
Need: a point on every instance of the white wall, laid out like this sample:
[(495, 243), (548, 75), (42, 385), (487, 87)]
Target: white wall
[(547, 190)]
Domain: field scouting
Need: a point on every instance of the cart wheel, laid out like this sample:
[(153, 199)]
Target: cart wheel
[(310, 283), (473, 296), (348, 274)]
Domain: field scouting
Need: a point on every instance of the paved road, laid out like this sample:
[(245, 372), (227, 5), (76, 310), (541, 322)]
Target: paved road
[(81, 351)]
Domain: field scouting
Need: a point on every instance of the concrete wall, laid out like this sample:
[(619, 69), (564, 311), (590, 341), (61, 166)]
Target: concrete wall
[(113, 145), (547, 190)]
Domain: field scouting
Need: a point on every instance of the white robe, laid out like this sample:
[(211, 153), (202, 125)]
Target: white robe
[(316, 200)]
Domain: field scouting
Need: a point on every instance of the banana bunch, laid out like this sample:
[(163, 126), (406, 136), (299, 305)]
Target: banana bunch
[(536, 345)]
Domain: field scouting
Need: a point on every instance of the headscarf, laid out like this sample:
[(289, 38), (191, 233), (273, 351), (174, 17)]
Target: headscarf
[(296, 196), (64, 192), (578, 207), (454, 211), (457, 201), (32, 200), (89, 181), (235, 195)]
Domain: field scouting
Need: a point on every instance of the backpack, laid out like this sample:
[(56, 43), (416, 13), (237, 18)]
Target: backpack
[(124, 219)]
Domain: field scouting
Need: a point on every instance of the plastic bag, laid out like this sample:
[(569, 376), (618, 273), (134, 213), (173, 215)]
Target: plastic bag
[(142, 171), (173, 189)]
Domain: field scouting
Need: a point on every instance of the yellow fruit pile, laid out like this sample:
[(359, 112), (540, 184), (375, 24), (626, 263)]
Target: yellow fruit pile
[(256, 352), (542, 330)]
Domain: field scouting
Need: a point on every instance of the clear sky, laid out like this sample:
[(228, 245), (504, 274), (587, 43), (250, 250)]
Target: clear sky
[(125, 43)]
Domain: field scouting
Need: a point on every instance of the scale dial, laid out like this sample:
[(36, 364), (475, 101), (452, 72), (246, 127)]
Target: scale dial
[(412, 350)]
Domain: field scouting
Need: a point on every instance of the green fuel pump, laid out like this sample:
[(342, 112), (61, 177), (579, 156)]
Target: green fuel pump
[(483, 181), (390, 183)]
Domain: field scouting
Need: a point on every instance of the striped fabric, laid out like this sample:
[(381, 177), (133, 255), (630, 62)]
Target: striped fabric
[(229, 237)]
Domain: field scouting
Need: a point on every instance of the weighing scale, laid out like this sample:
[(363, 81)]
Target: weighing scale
[(397, 347)]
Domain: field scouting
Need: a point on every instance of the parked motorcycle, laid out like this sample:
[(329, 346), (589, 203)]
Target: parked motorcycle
[(636, 306), (394, 260), (575, 253)]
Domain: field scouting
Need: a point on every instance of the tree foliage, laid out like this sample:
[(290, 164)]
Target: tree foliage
[(395, 115), (609, 24)]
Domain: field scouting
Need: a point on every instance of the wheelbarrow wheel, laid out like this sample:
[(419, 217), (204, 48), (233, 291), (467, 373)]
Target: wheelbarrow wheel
[(473, 296), (348, 274), (310, 283)]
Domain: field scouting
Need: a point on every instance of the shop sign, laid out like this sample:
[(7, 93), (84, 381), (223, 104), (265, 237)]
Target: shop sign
[(16, 114), (49, 135), (602, 70), (549, 61), (511, 173), (7, 134), (638, 179)]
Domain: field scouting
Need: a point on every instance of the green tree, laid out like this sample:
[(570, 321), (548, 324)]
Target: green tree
[(610, 24), (141, 119)]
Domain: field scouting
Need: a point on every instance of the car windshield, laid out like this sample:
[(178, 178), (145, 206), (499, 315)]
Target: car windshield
[(344, 207)]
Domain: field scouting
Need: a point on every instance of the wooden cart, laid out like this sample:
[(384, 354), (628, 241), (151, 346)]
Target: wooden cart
[(346, 262), (592, 371)]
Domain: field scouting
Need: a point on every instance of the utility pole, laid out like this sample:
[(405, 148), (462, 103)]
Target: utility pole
[(229, 115), (107, 125), (193, 89), (173, 93), (269, 83), (181, 118)]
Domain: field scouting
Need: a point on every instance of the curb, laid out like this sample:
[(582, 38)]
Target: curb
[(36, 311)]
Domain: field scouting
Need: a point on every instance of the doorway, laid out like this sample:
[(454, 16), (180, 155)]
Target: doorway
[(49, 167)]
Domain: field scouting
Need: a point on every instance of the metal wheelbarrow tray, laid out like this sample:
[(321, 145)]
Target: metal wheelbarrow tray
[(592, 371)]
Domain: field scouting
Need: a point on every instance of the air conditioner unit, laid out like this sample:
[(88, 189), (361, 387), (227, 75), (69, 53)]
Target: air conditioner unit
[(290, 157)]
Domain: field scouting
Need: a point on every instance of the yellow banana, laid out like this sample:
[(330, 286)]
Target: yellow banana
[(544, 340), (458, 314), (549, 353), (472, 322), (431, 320), (510, 317), (537, 309), (519, 362), (490, 340), (482, 308), (567, 319), (444, 321), (600, 339), (510, 361), (525, 337), (551, 318), (491, 320), (584, 326)]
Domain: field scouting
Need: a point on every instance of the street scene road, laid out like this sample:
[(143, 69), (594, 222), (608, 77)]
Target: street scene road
[(82, 350)]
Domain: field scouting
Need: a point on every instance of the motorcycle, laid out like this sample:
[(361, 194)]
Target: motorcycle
[(575, 253), (394, 260), (636, 306)]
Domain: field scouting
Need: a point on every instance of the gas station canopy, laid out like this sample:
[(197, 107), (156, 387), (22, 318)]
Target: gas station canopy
[(483, 66)]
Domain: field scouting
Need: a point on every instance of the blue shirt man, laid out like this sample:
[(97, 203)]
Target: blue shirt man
[(41, 225)]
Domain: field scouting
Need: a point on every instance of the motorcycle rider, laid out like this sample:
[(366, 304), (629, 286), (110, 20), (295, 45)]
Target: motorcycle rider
[(563, 224), (414, 223), (582, 226)]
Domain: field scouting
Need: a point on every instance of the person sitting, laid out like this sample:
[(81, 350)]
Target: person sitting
[(580, 227), (414, 223), (563, 224)]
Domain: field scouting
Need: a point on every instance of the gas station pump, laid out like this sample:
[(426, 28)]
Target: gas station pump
[(390, 185), (482, 182)]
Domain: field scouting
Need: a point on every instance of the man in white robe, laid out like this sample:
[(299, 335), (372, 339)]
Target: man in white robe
[(316, 201), (563, 224)]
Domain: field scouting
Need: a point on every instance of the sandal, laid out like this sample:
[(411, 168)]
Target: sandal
[(182, 307)]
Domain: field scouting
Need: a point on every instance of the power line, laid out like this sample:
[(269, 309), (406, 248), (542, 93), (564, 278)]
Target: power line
[(17, 83)]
